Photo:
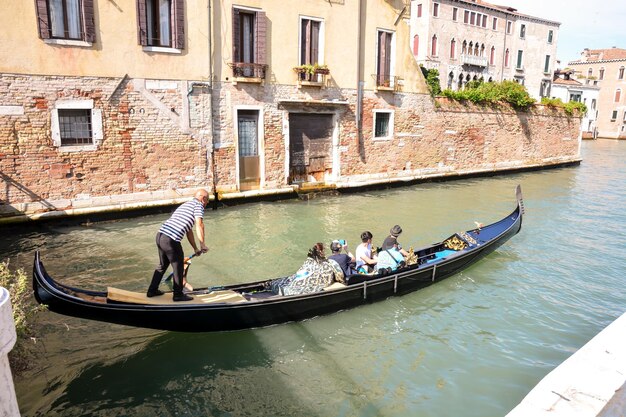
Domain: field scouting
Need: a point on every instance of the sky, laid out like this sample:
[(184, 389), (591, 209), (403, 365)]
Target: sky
[(593, 24)]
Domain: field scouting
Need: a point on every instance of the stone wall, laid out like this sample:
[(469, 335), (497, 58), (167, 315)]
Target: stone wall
[(162, 139), (153, 141)]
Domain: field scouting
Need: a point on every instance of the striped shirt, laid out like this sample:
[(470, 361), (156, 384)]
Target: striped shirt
[(182, 220)]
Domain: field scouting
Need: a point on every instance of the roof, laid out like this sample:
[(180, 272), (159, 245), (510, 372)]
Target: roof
[(563, 81), (596, 55), (508, 9)]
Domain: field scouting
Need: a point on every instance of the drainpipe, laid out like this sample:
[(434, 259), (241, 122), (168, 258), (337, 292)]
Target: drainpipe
[(506, 24), (359, 78), (8, 401), (212, 150)]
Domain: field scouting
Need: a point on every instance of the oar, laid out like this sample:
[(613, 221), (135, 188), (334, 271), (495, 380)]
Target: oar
[(169, 277)]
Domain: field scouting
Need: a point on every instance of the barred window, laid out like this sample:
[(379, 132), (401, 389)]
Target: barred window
[(75, 127), (382, 124)]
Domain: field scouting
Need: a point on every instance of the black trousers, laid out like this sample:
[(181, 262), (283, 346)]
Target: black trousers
[(170, 252)]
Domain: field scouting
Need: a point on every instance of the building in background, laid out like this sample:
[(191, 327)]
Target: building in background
[(567, 88), (606, 68), (469, 40)]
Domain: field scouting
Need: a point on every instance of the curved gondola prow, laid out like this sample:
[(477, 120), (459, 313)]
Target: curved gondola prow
[(520, 199)]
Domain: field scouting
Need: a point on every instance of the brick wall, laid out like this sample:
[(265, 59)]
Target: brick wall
[(148, 145), (158, 136)]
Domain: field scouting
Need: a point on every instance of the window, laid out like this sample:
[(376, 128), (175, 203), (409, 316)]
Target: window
[(522, 31), (76, 125), (310, 42), (416, 44), (484, 21), (249, 33), (455, 12), (436, 9), (433, 46), (494, 23), (509, 27), (601, 74), (544, 89), (520, 60), (66, 20), (620, 73), (550, 36), (466, 16), (589, 72), (383, 124), (161, 23), (506, 58), (546, 67), (576, 96), (614, 115), (593, 104), (492, 56), (419, 10), (452, 49), (384, 67), (472, 18), (618, 95)]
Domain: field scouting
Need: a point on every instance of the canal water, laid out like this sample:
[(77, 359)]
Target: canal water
[(472, 345)]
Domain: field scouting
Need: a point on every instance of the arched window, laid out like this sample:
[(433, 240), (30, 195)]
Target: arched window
[(416, 44), (490, 79), (476, 53), (452, 49), (589, 72), (467, 78), (460, 81), (506, 58), (433, 47), (470, 51), (601, 74), (620, 73), (464, 50), (450, 80), (618, 95), (492, 56), (482, 50)]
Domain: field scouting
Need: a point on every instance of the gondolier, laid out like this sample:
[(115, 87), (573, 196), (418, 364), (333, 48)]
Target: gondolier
[(168, 240)]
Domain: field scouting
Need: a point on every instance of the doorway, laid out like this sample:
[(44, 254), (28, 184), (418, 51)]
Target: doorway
[(248, 145), (310, 147)]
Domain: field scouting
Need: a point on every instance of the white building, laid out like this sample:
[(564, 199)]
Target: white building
[(566, 88), (471, 40)]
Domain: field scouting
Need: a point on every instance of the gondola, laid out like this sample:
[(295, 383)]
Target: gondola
[(243, 306)]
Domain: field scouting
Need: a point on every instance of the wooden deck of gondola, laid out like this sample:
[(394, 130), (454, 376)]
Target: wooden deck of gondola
[(220, 296)]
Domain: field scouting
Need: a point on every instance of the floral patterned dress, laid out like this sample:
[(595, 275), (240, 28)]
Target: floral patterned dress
[(313, 276)]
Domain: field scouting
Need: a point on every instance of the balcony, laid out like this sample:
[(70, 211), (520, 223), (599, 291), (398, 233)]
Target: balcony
[(388, 82), (312, 75), (248, 72), (478, 61)]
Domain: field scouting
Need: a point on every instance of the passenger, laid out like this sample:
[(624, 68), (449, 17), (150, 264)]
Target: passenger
[(389, 260), (391, 241), (314, 275), (365, 262), (345, 260)]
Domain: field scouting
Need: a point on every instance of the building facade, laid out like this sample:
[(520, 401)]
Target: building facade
[(606, 68), (469, 40), (566, 88), (138, 102)]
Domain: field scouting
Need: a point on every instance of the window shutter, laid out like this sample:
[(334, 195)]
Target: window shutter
[(261, 31), (96, 125), (89, 19), (236, 35), (315, 42), (43, 21), (179, 24), (142, 26)]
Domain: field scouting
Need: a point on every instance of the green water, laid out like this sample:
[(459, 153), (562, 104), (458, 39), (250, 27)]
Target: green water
[(472, 345)]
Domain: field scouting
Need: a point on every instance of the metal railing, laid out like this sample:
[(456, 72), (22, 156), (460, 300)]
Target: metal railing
[(388, 81), (248, 69)]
